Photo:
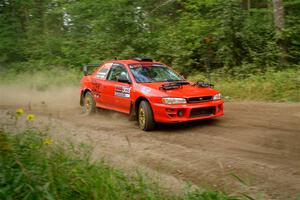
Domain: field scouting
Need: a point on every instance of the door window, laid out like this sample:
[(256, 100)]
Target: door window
[(103, 71), (116, 71)]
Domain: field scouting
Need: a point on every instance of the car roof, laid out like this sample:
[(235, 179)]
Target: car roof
[(133, 62)]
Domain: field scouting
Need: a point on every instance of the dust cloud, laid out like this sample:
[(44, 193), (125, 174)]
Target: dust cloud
[(54, 97)]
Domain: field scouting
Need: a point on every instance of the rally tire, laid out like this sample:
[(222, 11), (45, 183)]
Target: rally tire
[(145, 116), (89, 105)]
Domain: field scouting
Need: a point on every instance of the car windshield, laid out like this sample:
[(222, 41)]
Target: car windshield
[(153, 73)]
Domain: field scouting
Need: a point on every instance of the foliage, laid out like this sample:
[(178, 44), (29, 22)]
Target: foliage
[(237, 38), (72, 33), (33, 166), (270, 86)]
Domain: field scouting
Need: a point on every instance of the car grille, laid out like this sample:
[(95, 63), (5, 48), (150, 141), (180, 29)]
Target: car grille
[(199, 99), (201, 112)]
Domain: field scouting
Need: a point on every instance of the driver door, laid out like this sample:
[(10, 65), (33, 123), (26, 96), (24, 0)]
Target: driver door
[(117, 95)]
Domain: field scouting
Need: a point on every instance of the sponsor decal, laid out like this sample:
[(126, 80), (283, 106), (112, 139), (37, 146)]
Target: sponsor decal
[(145, 90), (122, 91)]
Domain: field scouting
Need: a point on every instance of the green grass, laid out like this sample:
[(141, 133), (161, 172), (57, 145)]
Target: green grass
[(277, 86), (32, 167), (41, 80)]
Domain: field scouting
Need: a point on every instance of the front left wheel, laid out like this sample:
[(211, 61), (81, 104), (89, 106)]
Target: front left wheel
[(145, 116)]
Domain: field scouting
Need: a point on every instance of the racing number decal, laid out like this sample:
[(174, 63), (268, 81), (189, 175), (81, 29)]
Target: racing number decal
[(122, 91)]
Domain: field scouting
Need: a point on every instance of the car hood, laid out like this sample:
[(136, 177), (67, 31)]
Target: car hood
[(183, 91)]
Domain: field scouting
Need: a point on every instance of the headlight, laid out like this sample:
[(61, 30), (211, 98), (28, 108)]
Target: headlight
[(172, 100), (217, 96)]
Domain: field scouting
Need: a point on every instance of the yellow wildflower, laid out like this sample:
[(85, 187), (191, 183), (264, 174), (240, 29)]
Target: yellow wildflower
[(48, 141), (20, 111), (30, 117)]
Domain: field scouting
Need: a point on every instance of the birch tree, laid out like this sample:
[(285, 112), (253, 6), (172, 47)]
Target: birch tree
[(279, 23)]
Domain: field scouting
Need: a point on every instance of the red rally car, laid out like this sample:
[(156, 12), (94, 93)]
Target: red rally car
[(149, 91)]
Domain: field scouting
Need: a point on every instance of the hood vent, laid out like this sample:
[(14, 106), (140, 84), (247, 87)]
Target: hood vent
[(175, 85)]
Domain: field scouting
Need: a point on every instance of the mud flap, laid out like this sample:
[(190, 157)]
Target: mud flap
[(132, 114), (81, 99)]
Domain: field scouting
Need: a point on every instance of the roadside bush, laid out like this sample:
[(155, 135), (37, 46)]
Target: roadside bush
[(282, 86)]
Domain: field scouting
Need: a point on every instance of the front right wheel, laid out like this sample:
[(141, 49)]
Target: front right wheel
[(145, 116)]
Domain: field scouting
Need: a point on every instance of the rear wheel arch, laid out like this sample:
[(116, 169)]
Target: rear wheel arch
[(89, 104), (83, 93)]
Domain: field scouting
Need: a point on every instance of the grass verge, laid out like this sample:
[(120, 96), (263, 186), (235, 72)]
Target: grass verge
[(277, 86), (283, 86), (32, 166)]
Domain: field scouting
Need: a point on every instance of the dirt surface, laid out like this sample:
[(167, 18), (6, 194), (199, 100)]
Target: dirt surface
[(254, 148)]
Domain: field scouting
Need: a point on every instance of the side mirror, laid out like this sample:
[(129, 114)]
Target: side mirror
[(123, 79), (85, 70)]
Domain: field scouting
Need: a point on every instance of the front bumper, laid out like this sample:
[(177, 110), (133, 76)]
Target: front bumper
[(187, 112)]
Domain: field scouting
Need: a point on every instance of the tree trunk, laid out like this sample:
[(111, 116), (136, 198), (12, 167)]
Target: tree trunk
[(278, 11), (247, 5), (279, 22)]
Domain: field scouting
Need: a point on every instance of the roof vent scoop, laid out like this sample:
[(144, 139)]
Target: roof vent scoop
[(142, 59)]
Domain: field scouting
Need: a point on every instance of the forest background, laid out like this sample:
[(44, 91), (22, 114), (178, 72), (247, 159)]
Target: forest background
[(250, 49)]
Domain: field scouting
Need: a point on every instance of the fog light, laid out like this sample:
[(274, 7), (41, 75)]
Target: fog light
[(179, 113)]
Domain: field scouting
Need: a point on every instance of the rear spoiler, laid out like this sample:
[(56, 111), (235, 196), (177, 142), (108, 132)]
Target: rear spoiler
[(89, 68)]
